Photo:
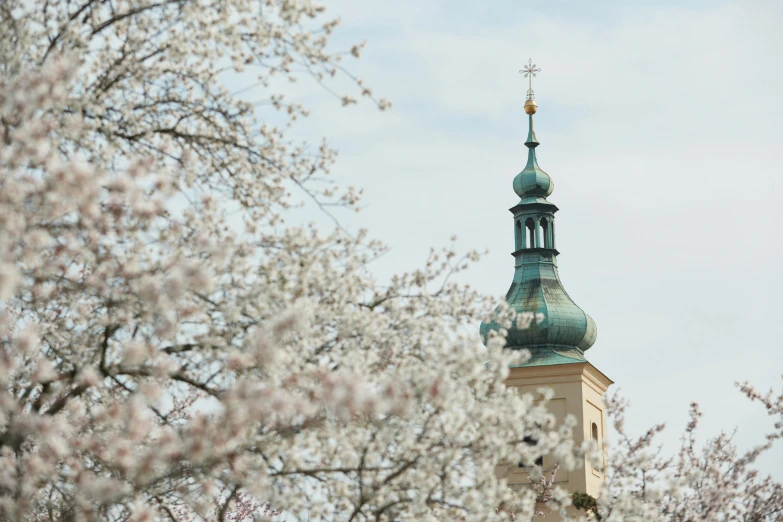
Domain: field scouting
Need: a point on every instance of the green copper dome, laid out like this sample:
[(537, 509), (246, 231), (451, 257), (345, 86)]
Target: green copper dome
[(537, 288), (566, 331), (532, 181)]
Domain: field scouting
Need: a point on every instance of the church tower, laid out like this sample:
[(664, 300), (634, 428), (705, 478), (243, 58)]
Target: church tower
[(559, 341)]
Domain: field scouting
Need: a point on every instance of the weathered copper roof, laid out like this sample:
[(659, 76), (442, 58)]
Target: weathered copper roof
[(566, 330), (551, 356)]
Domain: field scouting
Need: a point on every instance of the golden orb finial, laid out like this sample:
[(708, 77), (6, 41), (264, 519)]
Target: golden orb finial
[(529, 71)]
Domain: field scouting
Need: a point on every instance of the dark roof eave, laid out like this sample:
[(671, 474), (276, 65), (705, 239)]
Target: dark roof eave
[(534, 205)]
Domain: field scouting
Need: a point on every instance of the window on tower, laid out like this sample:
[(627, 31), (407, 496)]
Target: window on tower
[(518, 236), (594, 434), (545, 243), (552, 232), (531, 229), (539, 461)]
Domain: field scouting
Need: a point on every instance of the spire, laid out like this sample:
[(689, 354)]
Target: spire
[(566, 331), (532, 182), (532, 141)]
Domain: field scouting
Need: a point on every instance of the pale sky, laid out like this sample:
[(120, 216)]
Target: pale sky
[(660, 124)]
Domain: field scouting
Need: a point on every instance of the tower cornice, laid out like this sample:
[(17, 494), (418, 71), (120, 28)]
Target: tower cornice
[(542, 205)]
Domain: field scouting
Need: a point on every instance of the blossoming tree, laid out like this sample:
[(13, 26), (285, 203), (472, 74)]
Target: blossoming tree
[(169, 347)]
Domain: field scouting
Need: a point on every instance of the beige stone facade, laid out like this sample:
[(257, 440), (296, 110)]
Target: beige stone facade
[(578, 390)]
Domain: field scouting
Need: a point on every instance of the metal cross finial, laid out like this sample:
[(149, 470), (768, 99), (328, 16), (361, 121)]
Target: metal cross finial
[(529, 71)]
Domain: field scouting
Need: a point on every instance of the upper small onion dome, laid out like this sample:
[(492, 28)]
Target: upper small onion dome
[(532, 181)]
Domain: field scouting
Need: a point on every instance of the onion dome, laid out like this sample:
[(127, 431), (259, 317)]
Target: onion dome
[(532, 181), (566, 331)]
